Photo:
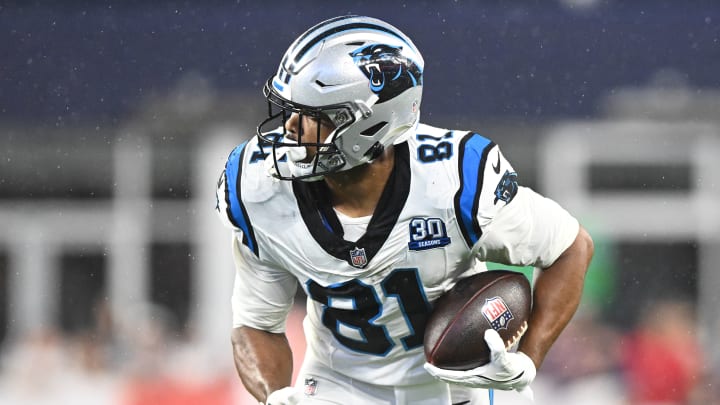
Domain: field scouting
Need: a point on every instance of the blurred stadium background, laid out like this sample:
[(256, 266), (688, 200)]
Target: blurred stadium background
[(116, 119)]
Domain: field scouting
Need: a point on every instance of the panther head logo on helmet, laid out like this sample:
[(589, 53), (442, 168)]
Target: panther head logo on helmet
[(390, 73)]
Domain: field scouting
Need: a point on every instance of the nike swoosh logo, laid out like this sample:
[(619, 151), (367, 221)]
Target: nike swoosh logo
[(496, 167), (461, 403)]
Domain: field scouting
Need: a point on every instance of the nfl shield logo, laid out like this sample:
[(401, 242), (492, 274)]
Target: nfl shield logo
[(358, 258), (497, 313), (310, 386)]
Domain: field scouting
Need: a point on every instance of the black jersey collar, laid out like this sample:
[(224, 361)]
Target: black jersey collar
[(313, 199)]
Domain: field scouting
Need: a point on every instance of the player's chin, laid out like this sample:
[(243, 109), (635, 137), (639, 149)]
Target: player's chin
[(306, 162), (311, 153)]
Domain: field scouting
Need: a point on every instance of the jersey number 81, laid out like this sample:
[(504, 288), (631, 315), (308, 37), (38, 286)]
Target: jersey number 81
[(366, 306)]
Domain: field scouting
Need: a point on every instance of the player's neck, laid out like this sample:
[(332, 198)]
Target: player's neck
[(357, 191)]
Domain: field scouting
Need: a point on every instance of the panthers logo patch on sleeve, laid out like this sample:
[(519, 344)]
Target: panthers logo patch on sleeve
[(507, 187), (390, 73)]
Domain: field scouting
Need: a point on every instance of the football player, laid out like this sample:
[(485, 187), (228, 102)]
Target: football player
[(377, 215)]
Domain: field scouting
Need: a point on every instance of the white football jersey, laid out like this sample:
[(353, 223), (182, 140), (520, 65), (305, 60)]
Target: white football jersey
[(451, 203)]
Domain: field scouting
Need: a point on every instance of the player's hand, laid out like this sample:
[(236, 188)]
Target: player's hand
[(505, 371), (284, 396)]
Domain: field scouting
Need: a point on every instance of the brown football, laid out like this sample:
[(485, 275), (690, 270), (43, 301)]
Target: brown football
[(454, 334)]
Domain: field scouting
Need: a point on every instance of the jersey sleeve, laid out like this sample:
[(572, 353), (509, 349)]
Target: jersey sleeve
[(229, 203), (502, 221), (262, 294), (222, 202), (531, 231), (487, 184)]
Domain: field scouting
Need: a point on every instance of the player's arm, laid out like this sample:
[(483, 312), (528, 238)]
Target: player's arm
[(535, 231), (263, 360), (531, 230), (510, 224), (557, 291), (262, 299), (262, 294), (521, 227)]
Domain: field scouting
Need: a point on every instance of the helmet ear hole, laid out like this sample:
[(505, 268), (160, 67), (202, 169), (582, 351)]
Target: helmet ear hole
[(374, 129)]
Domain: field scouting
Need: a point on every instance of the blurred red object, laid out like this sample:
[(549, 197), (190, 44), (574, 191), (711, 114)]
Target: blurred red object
[(165, 391), (662, 359)]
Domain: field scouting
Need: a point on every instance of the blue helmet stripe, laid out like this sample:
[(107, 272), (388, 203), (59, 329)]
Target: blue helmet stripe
[(473, 154), (340, 29), (238, 215), (277, 85), (317, 27)]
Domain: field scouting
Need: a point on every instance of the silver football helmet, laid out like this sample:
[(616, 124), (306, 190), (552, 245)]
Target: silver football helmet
[(361, 76)]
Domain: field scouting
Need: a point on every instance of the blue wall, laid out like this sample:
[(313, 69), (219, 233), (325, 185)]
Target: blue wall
[(93, 62)]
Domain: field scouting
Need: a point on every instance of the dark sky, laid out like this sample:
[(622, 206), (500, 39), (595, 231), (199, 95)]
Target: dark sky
[(94, 62)]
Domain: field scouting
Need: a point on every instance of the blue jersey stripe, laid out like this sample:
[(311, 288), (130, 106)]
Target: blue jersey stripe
[(473, 154), (238, 216)]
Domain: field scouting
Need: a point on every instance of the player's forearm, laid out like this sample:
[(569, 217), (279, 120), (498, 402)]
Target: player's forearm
[(557, 294), (263, 360)]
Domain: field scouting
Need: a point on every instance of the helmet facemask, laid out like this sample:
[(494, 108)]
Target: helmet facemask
[(328, 157), (361, 76)]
